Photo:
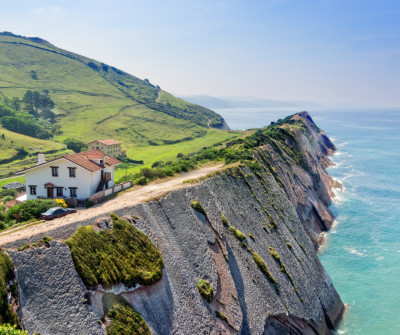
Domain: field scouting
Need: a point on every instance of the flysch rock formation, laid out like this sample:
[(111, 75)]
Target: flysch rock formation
[(54, 300)]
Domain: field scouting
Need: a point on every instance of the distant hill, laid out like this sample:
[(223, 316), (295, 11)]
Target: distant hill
[(94, 99), (245, 102)]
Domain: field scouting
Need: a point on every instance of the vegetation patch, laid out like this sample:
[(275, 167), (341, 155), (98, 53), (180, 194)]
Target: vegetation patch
[(121, 319), (271, 222), (8, 329), (275, 255), (196, 205), (7, 314), (263, 268), (224, 220), (122, 254), (205, 289), (238, 234), (26, 211), (45, 241), (222, 316)]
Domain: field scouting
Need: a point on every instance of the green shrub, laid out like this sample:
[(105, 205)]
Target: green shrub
[(196, 205), (205, 289), (8, 198), (120, 255), (89, 204), (6, 272), (30, 209), (263, 267), (141, 181), (8, 329)]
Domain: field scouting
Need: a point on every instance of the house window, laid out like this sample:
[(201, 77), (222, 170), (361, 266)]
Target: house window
[(60, 192), (72, 172), (32, 189), (54, 171), (72, 192)]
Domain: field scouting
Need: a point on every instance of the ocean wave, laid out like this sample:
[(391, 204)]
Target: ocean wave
[(341, 145), (338, 196), (354, 251)]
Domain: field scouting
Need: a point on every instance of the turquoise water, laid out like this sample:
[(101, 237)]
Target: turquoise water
[(362, 252)]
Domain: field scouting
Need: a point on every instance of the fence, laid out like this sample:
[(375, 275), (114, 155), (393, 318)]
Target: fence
[(97, 197)]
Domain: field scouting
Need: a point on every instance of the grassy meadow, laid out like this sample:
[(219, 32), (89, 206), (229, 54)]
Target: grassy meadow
[(93, 101)]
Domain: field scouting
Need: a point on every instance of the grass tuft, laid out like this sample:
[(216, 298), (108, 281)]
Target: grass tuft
[(122, 319), (196, 205), (263, 268), (205, 290)]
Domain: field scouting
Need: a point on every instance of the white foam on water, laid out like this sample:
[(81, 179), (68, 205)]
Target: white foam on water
[(354, 251)]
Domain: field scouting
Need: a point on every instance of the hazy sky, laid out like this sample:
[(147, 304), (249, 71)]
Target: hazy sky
[(341, 51)]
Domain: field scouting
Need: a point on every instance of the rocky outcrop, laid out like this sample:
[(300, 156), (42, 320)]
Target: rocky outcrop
[(265, 212), (307, 185)]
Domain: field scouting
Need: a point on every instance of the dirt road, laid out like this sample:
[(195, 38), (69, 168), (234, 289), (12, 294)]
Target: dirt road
[(134, 197)]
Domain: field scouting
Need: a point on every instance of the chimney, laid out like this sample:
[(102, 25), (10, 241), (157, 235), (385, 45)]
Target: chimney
[(41, 159)]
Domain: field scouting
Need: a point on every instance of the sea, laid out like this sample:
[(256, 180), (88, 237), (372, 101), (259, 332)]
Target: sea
[(362, 251)]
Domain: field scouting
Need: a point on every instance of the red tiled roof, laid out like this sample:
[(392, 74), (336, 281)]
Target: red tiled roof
[(83, 159), (109, 141)]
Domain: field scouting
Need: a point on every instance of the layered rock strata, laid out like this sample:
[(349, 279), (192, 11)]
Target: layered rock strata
[(277, 209)]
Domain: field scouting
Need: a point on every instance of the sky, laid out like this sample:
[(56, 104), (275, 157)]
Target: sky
[(327, 51)]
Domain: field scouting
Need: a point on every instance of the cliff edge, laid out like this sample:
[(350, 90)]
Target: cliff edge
[(246, 235)]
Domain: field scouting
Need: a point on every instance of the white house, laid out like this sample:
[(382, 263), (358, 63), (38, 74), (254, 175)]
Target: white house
[(74, 176)]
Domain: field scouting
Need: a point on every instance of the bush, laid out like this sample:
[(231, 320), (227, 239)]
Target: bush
[(6, 272), (30, 209), (7, 329), (120, 255), (75, 145), (89, 204), (205, 289), (8, 198)]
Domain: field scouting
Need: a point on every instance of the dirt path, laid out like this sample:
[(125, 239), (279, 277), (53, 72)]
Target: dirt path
[(158, 96), (153, 190)]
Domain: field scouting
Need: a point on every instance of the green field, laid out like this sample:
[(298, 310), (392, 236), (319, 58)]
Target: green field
[(166, 153), (94, 101)]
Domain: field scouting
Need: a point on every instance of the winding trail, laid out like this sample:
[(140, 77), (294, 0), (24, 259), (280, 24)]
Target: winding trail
[(142, 194)]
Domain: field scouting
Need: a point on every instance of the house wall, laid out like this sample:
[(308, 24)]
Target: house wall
[(111, 150), (85, 181)]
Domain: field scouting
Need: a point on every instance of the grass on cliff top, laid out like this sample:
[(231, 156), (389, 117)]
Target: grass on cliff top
[(122, 254), (122, 319), (6, 312)]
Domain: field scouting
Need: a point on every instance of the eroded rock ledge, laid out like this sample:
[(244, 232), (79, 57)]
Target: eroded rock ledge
[(271, 212)]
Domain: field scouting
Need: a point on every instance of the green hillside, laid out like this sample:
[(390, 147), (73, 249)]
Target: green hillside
[(95, 100)]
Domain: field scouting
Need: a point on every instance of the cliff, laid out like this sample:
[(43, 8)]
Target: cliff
[(245, 231)]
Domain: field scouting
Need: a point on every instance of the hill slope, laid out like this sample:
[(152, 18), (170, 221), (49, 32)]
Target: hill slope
[(90, 95)]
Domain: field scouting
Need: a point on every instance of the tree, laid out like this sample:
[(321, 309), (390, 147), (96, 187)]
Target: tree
[(75, 145)]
